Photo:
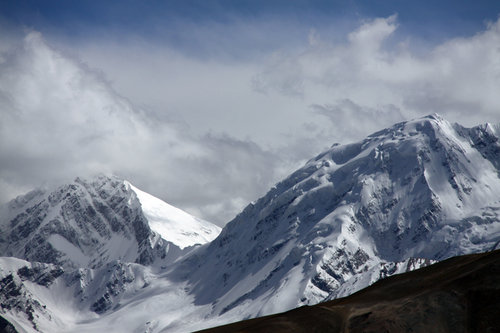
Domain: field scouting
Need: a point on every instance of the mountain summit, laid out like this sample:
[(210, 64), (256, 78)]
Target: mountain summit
[(89, 223), (418, 192)]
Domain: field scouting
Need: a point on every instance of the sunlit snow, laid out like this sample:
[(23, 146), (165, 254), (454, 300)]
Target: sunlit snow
[(174, 224)]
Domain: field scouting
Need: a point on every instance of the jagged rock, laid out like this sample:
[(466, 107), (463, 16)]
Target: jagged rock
[(420, 191), (89, 223)]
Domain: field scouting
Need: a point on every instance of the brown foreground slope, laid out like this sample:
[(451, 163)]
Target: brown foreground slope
[(461, 294), (6, 326)]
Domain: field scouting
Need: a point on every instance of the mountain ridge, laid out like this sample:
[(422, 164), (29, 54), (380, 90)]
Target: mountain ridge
[(418, 192), (407, 191), (88, 223), (456, 295)]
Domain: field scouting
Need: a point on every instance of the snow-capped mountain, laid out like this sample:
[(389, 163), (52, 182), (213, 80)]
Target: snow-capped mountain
[(89, 246), (89, 223), (49, 298), (173, 224), (420, 191), (459, 294)]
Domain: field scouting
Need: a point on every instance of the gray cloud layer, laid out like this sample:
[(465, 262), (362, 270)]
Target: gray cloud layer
[(60, 120), (211, 135), (459, 78)]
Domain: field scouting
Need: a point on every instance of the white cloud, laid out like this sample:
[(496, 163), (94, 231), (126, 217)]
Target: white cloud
[(459, 78), (366, 118), (370, 35), (61, 120), (213, 133)]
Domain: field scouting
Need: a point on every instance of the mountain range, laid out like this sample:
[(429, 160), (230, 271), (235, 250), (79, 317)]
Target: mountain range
[(100, 254)]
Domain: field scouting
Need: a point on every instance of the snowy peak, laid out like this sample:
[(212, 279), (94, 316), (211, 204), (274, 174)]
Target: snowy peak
[(446, 158), (81, 224), (404, 197), (174, 224), (89, 223), (421, 189)]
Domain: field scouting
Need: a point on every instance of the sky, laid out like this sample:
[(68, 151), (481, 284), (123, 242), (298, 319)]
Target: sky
[(207, 104)]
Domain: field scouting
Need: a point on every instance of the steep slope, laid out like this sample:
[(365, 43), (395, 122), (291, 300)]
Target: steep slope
[(174, 224), (95, 248), (420, 189), (89, 223), (50, 298), (457, 295)]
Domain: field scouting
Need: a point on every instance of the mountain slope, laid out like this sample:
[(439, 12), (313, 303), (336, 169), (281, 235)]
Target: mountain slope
[(89, 223), (50, 298), (457, 295), (420, 189), (96, 248), (173, 224)]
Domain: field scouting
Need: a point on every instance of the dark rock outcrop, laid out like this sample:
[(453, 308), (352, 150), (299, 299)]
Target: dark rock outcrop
[(460, 294)]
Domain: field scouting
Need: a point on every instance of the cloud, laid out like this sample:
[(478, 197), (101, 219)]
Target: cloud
[(458, 78), (210, 133), (350, 120), (61, 120), (227, 168), (284, 75), (370, 36)]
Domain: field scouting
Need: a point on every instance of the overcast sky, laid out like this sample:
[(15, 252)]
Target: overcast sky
[(207, 104)]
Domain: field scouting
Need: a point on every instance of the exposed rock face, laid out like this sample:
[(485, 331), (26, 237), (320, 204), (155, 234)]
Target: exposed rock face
[(17, 299), (87, 245), (83, 224), (421, 189), (457, 295), (24, 287)]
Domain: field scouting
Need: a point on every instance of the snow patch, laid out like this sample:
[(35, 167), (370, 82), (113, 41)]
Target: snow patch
[(74, 254), (174, 224)]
